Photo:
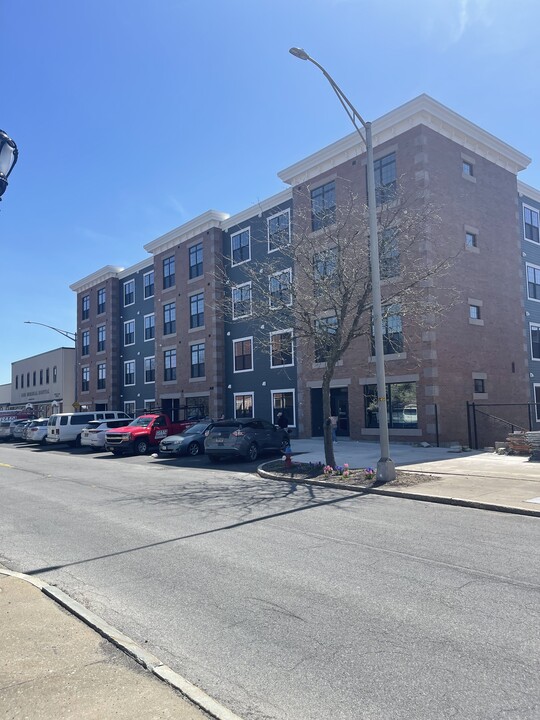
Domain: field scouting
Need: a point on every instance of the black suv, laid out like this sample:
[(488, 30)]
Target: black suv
[(245, 438)]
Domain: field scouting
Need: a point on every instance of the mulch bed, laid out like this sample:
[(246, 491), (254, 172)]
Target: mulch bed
[(309, 471)]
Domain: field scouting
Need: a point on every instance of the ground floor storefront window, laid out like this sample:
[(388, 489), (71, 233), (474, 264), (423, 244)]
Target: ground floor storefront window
[(400, 402)]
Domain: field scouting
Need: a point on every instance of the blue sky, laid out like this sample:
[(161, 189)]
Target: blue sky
[(133, 116)]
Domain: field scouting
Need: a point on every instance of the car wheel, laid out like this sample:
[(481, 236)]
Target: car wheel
[(116, 452), (43, 441), (214, 458), (140, 447), (194, 449), (252, 453)]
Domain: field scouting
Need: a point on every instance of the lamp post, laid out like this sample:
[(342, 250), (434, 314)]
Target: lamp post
[(386, 470), (8, 158), (70, 336)]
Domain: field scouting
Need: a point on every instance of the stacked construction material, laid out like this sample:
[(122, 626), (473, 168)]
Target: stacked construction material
[(533, 440), (517, 443)]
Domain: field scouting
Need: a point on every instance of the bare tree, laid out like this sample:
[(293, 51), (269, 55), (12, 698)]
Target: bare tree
[(319, 283)]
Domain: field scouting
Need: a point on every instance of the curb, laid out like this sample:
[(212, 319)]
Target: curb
[(441, 500), (123, 642)]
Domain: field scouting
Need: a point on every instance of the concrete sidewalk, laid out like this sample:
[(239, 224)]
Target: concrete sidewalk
[(477, 479), (54, 667)]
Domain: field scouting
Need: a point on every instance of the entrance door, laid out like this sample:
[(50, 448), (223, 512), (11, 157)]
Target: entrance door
[(339, 406)]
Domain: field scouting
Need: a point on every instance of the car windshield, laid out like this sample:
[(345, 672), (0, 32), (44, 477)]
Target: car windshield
[(196, 429), (143, 421)]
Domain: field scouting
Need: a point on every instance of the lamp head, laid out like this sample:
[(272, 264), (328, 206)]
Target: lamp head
[(299, 53), (8, 158)]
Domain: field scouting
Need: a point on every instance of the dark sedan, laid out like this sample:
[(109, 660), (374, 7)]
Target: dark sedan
[(190, 442)]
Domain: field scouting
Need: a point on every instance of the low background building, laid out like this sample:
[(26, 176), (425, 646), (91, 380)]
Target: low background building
[(46, 382)]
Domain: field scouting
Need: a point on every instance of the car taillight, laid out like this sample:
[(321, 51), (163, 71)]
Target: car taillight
[(238, 433)]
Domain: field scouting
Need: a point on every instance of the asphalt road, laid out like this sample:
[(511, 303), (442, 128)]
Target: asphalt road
[(287, 602)]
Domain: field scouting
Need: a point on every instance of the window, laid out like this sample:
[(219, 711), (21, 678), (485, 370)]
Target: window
[(198, 406), (168, 272), (281, 349), (149, 327), (243, 354), (149, 404), (16, 382), (392, 331), (196, 310), (149, 369), (129, 292), (196, 261), (148, 283), (470, 240), (323, 206), (129, 332), (479, 386), (241, 301), (400, 403), (85, 342), (279, 233), (533, 282), (530, 219), (129, 408), (243, 405), (101, 299), (169, 318), (537, 401), (283, 401), (54, 374), (325, 264), (102, 376), (241, 247), (389, 255), (22, 381), (34, 378), (535, 342), (280, 289), (129, 372), (385, 178), (197, 361), (85, 379), (325, 329), (467, 168), (47, 376), (85, 307), (474, 312), (101, 337), (169, 360), (27, 379)]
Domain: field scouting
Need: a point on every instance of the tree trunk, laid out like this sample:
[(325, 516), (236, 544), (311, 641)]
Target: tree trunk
[(327, 411)]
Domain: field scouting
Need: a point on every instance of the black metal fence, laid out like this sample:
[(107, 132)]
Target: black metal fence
[(488, 423)]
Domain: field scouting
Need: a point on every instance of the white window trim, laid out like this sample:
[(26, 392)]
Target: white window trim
[(282, 332), (130, 403), (124, 292), (147, 297), (237, 340), (144, 327), (537, 405), (126, 322), (536, 267), (277, 274), (243, 230), (127, 362), (531, 325), (287, 390), (271, 217), (537, 211), (237, 287), (149, 357), (147, 401), (243, 394)]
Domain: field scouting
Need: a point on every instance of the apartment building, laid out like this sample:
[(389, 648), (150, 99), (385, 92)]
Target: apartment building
[(214, 356)]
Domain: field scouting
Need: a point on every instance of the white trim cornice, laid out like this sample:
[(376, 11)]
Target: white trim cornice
[(95, 278), (422, 110), (146, 264), (209, 219), (258, 209), (528, 191)]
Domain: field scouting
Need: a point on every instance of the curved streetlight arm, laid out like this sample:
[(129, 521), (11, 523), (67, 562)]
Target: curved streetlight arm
[(66, 333)]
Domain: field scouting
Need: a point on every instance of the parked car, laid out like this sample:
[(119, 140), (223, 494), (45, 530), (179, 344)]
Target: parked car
[(67, 427), (19, 426), (36, 431), (144, 432), (245, 438), (5, 430), (93, 435), (189, 442)]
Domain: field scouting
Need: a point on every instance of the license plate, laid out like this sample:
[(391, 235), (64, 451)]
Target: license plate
[(219, 441)]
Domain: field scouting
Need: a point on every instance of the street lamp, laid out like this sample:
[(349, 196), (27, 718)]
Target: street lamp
[(8, 158), (386, 471)]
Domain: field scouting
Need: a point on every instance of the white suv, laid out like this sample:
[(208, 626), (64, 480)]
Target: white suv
[(93, 435)]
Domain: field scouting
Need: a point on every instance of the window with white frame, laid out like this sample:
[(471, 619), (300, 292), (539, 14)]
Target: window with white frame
[(129, 332), (85, 379), (241, 301), (149, 369), (197, 360), (280, 287), (129, 407), (129, 292), (243, 354), (535, 341), (279, 231), (129, 372), (149, 326), (169, 318), (283, 401), (150, 404), (101, 337), (531, 223), (243, 405), (148, 283), (536, 390), (85, 342), (533, 282), (281, 349), (241, 247)]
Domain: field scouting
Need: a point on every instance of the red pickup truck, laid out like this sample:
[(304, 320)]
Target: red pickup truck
[(142, 433)]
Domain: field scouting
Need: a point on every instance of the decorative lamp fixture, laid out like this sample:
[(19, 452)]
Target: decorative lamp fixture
[(8, 158)]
